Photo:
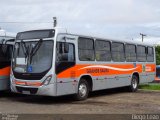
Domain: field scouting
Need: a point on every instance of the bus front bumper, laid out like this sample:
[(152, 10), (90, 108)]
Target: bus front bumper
[(44, 90)]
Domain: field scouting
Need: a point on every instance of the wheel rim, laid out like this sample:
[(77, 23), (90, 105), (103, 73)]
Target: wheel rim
[(82, 90), (134, 83)]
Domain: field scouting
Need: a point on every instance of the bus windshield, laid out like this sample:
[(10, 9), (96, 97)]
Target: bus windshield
[(32, 56), (5, 53)]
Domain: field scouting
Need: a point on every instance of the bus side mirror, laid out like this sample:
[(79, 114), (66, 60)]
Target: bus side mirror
[(66, 47)]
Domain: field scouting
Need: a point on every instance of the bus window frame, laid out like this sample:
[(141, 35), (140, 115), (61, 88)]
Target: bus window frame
[(101, 50), (123, 51), (148, 54), (145, 53), (93, 40), (135, 51)]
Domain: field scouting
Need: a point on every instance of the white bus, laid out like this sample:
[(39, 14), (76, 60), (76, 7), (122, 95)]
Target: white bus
[(53, 62), (6, 48)]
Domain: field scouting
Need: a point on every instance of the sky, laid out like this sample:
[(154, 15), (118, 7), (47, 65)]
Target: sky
[(118, 19)]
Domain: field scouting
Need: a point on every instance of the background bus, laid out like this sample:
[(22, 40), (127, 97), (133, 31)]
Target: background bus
[(54, 63), (157, 78), (6, 48)]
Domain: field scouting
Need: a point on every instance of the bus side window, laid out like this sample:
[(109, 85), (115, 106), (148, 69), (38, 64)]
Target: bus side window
[(118, 52), (150, 54), (2, 57), (141, 53), (64, 60), (6, 52), (9, 52), (130, 51), (62, 56), (103, 50), (86, 49)]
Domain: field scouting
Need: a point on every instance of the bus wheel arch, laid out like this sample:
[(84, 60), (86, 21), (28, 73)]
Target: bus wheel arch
[(84, 87), (134, 82), (89, 80), (137, 75)]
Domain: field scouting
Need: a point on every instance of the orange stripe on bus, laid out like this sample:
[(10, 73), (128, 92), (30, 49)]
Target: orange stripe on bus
[(150, 67), (5, 71), (109, 69)]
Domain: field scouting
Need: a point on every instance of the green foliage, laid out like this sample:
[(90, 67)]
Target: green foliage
[(158, 55), (150, 86)]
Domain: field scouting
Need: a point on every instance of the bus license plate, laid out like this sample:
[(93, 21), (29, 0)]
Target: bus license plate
[(26, 92)]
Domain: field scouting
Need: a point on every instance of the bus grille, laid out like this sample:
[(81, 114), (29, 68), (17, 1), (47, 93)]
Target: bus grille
[(31, 90)]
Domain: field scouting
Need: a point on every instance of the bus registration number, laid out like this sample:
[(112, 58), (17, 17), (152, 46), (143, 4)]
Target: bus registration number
[(26, 92)]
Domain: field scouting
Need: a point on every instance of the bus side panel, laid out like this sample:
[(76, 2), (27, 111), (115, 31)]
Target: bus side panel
[(111, 81), (4, 82), (4, 78), (148, 73), (66, 86), (145, 78), (103, 76), (151, 68)]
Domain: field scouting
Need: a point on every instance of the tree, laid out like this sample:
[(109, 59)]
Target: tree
[(158, 55)]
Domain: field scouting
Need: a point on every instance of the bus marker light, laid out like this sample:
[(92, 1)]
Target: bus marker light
[(13, 81)]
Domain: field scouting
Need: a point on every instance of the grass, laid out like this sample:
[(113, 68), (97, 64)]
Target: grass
[(150, 86)]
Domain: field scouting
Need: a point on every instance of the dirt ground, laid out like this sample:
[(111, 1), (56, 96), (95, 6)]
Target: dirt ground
[(113, 101)]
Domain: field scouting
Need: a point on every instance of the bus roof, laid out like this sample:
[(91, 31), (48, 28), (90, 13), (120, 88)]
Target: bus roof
[(112, 39), (64, 30), (7, 41)]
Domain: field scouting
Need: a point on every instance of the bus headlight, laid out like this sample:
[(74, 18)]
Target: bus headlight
[(47, 80)]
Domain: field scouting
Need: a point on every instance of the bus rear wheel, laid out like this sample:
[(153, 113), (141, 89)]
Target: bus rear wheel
[(134, 84), (83, 90)]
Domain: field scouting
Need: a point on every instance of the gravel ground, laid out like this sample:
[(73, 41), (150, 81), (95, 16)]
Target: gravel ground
[(113, 101)]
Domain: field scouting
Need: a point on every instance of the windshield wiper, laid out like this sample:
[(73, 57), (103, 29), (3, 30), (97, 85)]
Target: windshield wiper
[(35, 49), (29, 51), (25, 49)]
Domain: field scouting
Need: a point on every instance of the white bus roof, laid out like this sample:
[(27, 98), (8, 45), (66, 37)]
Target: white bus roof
[(7, 40), (64, 31)]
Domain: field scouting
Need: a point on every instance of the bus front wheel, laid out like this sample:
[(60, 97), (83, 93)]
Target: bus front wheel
[(83, 90), (134, 84)]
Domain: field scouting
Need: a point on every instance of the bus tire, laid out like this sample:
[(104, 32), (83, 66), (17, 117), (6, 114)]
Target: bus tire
[(134, 84), (83, 90)]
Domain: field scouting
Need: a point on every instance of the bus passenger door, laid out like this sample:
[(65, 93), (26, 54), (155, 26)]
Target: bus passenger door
[(65, 60)]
